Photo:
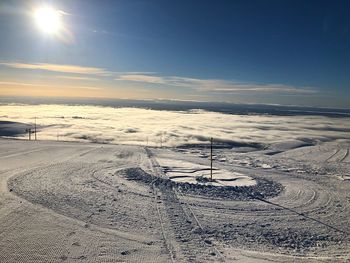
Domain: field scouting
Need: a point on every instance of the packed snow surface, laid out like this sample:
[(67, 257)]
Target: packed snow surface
[(83, 202)]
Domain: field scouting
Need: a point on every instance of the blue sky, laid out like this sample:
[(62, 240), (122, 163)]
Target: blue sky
[(283, 52)]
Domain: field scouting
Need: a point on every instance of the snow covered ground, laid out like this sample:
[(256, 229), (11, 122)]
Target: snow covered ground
[(83, 202)]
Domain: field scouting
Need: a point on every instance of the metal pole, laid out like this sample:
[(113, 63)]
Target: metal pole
[(35, 129), (211, 159)]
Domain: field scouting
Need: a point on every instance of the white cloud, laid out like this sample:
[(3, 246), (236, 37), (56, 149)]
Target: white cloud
[(142, 78), (14, 83), (59, 68), (214, 85), (77, 78), (208, 85), (73, 69)]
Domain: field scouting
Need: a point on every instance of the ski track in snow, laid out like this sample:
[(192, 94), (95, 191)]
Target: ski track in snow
[(72, 202)]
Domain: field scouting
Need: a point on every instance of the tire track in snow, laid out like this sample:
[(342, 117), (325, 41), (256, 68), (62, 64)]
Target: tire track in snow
[(303, 215), (168, 244), (22, 153), (220, 256), (332, 155), (184, 223), (340, 155), (345, 155)]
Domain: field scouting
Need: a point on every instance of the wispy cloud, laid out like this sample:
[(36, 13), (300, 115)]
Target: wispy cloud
[(73, 69), (143, 78), (214, 85), (77, 78), (59, 68), (211, 86), (15, 83), (85, 87), (135, 72)]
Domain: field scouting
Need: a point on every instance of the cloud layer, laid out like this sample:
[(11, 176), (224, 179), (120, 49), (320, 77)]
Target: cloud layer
[(172, 128)]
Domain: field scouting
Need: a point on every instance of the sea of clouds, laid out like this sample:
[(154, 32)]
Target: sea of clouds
[(171, 128)]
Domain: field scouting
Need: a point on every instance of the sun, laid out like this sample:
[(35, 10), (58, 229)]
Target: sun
[(48, 20)]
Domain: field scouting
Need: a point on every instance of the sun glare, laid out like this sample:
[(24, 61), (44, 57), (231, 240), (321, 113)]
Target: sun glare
[(48, 20)]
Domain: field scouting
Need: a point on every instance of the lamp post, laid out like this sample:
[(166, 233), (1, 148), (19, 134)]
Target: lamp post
[(211, 159), (35, 129)]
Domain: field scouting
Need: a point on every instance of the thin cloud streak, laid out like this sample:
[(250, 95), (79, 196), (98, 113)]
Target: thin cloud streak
[(144, 78), (59, 68), (135, 72), (77, 78), (74, 69), (214, 85), (11, 83)]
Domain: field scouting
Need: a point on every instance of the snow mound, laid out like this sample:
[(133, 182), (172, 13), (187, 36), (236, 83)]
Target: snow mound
[(188, 172)]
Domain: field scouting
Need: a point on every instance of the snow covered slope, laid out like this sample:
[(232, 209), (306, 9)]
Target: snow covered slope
[(75, 202)]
